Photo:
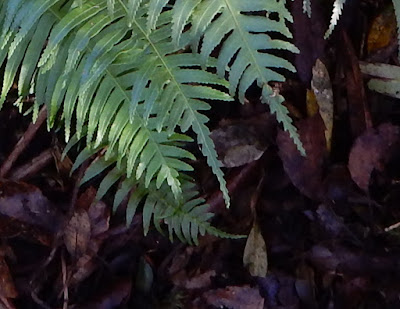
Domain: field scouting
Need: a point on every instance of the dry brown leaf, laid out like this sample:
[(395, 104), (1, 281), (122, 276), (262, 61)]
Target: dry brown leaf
[(306, 173), (371, 151), (255, 253), (27, 204), (234, 297), (237, 144), (382, 31), (7, 288), (78, 233)]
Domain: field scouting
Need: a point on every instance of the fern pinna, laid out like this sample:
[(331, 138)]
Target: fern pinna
[(125, 76)]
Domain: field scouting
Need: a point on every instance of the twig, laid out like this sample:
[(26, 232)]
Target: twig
[(5, 303), (37, 300), (64, 277), (60, 232), (392, 227), (33, 166), (23, 142)]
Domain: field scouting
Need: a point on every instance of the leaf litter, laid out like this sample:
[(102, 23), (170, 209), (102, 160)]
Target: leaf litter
[(317, 225)]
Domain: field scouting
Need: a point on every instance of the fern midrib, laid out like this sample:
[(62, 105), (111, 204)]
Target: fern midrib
[(127, 99), (186, 101), (247, 45)]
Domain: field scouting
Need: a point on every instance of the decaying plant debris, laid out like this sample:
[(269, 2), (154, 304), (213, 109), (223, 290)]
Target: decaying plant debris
[(323, 228)]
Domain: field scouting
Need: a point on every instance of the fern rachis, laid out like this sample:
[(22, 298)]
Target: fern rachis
[(122, 71)]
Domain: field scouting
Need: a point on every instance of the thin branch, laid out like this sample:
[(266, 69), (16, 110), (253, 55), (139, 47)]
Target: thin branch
[(23, 143)]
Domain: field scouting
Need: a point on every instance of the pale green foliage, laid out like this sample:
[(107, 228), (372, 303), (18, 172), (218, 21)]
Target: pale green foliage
[(307, 7), (385, 78), (121, 76), (336, 12)]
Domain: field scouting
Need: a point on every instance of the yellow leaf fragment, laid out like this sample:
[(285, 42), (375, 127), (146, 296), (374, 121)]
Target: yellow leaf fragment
[(322, 88), (312, 104), (382, 31)]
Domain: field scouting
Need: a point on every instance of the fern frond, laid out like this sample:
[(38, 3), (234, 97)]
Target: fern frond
[(336, 12), (307, 7), (130, 88), (242, 28), (187, 219), (174, 100), (120, 77)]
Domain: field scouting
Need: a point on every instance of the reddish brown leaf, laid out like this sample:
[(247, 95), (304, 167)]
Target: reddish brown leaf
[(7, 288), (371, 151), (114, 297), (359, 115), (234, 297), (305, 172), (24, 211), (26, 203)]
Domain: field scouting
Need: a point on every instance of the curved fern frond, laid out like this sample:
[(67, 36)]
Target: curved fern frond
[(130, 87), (337, 11), (187, 219), (243, 30), (122, 78)]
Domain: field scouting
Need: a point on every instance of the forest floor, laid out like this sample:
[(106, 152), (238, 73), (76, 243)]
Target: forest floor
[(323, 229)]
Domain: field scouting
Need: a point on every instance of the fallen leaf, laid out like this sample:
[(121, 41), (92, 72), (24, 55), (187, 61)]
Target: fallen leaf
[(305, 172), (114, 297), (322, 88), (312, 105), (98, 216), (7, 288), (26, 212), (359, 116), (234, 297), (371, 151), (330, 221), (27, 204), (77, 233), (255, 257), (200, 281), (305, 285), (383, 29), (237, 144), (145, 276)]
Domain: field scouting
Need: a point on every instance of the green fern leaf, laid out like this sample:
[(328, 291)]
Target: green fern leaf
[(186, 220), (120, 77), (244, 38), (307, 7), (337, 11)]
